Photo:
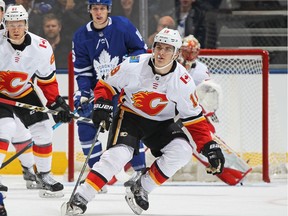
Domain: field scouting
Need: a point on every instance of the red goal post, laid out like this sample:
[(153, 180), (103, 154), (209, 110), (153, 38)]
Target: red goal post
[(251, 66)]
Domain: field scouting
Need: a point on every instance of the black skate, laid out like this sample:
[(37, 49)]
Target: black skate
[(134, 177), (77, 206), (49, 188), (136, 197), (3, 188), (30, 177)]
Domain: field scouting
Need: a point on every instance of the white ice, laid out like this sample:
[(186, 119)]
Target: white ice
[(170, 199)]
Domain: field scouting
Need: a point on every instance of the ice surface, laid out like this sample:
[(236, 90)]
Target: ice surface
[(170, 199)]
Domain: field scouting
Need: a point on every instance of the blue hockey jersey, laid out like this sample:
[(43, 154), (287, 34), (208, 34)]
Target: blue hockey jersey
[(96, 52)]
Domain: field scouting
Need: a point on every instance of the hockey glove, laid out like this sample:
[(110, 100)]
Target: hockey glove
[(103, 110), (62, 107), (83, 107), (215, 157)]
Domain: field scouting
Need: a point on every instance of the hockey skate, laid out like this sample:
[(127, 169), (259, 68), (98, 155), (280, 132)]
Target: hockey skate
[(49, 188), (30, 177), (77, 206), (134, 177), (136, 197), (3, 188)]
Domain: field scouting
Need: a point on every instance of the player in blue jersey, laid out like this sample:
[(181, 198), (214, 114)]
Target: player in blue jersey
[(98, 47)]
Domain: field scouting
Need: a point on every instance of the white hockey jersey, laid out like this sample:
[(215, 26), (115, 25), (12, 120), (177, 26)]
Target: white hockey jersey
[(199, 73), (156, 97), (17, 68), (151, 95)]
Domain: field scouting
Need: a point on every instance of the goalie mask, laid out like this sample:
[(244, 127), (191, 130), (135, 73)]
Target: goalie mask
[(108, 3), (190, 48)]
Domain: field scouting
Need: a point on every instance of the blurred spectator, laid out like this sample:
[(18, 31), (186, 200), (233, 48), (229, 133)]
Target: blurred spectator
[(209, 5), (52, 32), (190, 19), (73, 14), (127, 8), (165, 21), (157, 9), (2, 11)]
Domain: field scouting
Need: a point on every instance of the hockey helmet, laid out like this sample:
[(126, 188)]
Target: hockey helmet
[(190, 48), (100, 2), (2, 4), (169, 36), (16, 13)]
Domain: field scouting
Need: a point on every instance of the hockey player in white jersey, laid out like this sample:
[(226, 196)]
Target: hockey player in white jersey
[(25, 56), (98, 47), (209, 95), (22, 138), (154, 87)]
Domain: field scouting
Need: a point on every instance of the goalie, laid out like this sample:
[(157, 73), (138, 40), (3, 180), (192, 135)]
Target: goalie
[(209, 96)]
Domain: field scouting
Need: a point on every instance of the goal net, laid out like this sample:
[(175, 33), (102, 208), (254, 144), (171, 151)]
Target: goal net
[(244, 121)]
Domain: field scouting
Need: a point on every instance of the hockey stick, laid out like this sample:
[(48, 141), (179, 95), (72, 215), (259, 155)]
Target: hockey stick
[(65, 207), (74, 112), (40, 109), (12, 158)]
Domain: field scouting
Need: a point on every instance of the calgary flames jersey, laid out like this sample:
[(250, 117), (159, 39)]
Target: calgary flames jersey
[(156, 97), (18, 67), (199, 72)]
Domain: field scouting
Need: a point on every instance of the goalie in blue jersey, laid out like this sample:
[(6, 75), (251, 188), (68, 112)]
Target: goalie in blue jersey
[(98, 47)]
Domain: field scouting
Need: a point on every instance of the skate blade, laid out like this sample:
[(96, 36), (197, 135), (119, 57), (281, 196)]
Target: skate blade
[(131, 202), (32, 185), (50, 194), (67, 210)]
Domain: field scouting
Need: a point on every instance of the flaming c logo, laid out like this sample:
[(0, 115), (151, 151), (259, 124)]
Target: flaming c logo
[(12, 82), (149, 102)]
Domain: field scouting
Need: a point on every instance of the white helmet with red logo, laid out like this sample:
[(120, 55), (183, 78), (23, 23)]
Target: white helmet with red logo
[(16, 13), (169, 36)]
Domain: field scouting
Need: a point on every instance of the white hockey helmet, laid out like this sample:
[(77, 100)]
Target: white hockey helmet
[(169, 36), (2, 4), (190, 48), (16, 13)]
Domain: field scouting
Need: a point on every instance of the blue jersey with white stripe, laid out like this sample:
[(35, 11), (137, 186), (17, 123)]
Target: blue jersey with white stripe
[(96, 52)]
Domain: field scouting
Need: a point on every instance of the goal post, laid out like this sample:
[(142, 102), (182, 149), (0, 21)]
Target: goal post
[(229, 56), (243, 115)]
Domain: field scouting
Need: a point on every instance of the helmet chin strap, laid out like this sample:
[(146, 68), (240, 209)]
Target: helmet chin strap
[(160, 68), (17, 42)]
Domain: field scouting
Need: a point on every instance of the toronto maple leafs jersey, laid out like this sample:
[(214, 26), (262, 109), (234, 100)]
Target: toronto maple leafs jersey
[(97, 52), (18, 67)]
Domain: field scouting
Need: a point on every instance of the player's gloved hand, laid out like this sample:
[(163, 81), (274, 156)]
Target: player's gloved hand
[(103, 110), (83, 107), (62, 107), (215, 157)]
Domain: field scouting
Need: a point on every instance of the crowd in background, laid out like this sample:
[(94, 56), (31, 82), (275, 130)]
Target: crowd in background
[(57, 20)]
